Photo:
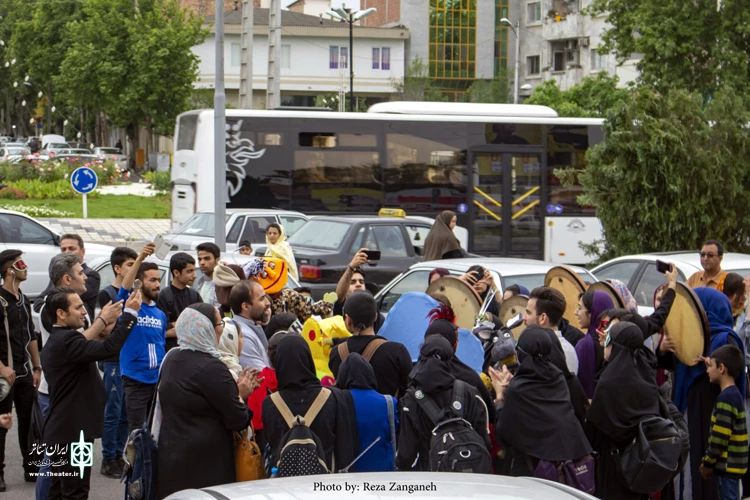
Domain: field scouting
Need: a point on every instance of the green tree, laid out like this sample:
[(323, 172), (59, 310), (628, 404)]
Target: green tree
[(498, 90), (684, 44), (594, 96), (136, 66), (671, 173), (417, 84)]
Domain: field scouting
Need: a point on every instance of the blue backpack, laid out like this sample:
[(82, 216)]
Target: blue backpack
[(140, 452)]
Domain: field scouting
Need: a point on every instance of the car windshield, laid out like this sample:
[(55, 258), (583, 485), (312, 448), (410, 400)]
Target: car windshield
[(325, 234), (17, 151), (200, 224), (81, 151), (109, 151), (57, 145)]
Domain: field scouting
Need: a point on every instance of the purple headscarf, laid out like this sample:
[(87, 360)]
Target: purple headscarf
[(586, 349)]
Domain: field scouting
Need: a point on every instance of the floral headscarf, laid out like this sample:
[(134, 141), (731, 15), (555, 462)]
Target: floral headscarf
[(627, 297), (229, 348), (195, 332)]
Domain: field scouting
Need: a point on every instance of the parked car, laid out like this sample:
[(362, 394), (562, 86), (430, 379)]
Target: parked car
[(112, 153), (54, 140), (13, 153), (504, 271), (38, 244), (53, 148), (242, 224), (325, 245), (390, 486), (640, 274)]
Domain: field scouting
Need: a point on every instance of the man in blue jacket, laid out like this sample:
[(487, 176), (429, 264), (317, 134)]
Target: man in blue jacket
[(144, 350)]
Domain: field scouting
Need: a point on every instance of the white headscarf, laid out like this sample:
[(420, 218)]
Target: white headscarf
[(282, 250), (229, 348), (195, 332)]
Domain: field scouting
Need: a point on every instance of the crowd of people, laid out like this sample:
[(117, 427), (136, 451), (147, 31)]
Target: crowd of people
[(225, 352)]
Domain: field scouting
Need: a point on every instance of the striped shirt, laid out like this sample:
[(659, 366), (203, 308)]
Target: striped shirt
[(727, 445)]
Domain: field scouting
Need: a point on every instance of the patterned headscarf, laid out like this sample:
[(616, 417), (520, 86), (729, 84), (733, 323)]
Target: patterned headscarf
[(627, 297), (195, 332), (229, 348)]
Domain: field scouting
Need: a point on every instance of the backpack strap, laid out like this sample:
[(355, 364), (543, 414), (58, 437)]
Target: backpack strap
[(428, 406), (343, 351), (373, 346), (284, 410), (317, 405), (457, 396), (391, 422)]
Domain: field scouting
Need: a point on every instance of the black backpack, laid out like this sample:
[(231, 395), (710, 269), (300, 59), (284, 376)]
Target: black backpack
[(454, 444), (653, 457), (301, 452)]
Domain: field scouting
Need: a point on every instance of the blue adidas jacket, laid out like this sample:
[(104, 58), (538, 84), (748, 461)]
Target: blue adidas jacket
[(144, 350)]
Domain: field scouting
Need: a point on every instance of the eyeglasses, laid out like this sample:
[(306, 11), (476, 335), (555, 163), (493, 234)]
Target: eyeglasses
[(20, 265), (220, 323), (603, 327), (608, 340), (707, 255)]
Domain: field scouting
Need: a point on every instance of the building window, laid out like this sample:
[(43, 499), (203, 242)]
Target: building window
[(598, 60), (558, 63), (501, 40), (338, 57), (333, 58), (286, 56), (533, 65), (386, 59), (375, 58), (534, 12), (452, 43), (236, 55)]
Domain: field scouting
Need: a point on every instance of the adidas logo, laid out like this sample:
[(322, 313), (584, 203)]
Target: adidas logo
[(150, 322)]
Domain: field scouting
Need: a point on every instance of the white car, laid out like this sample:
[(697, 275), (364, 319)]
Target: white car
[(639, 272), (504, 271), (38, 244), (112, 153), (390, 485), (242, 224), (13, 153)]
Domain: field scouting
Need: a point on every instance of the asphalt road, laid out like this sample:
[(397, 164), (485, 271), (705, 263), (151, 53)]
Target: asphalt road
[(101, 487)]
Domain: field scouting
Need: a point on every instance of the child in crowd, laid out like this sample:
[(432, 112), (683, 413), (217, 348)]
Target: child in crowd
[(726, 457)]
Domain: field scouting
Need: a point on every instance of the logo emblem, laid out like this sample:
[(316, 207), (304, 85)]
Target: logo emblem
[(81, 455), (576, 226)]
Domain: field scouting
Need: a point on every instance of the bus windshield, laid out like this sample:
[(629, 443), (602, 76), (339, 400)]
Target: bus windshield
[(200, 224)]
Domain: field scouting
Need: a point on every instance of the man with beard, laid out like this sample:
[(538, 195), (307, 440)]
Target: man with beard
[(73, 244), (178, 295), (208, 259), (76, 390), (144, 350), (251, 308)]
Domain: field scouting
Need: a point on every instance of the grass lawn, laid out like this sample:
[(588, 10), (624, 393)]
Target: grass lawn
[(108, 206)]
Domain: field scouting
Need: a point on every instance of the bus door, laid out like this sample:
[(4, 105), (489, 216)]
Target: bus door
[(506, 205)]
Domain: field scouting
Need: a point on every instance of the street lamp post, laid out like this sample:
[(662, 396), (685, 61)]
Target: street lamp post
[(350, 16), (517, 32)]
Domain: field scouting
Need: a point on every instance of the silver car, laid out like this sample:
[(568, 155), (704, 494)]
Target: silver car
[(389, 485)]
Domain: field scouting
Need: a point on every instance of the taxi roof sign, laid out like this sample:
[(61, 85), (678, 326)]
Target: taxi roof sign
[(392, 212)]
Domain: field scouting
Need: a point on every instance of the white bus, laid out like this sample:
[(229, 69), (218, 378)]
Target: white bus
[(492, 164)]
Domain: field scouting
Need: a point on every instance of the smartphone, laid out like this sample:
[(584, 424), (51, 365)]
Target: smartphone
[(162, 247), (136, 286), (478, 273), (373, 254), (662, 266)]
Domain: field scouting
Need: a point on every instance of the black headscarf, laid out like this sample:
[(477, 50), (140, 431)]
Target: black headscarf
[(356, 373), (295, 368), (432, 373), (444, 328), (538, 418), (627, 391)]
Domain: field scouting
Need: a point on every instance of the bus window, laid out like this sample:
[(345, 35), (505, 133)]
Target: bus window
[(186, 135), (566, 149), (317, 140)]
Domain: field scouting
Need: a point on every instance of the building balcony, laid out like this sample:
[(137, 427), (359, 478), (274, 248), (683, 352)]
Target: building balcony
[(567, 78), (563, 28)]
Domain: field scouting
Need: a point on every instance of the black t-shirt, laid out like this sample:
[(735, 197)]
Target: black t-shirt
[(391, 363), (108, 294), (173, 301)]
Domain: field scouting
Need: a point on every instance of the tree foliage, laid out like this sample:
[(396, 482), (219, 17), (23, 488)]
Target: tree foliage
[(684, 44), (417, 84), (595, 96), (498, 90), (671, 173)]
